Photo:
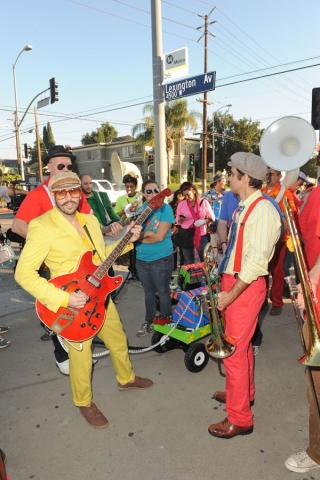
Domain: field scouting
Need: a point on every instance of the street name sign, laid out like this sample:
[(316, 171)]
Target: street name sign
[(175, 64), (43, 103), (190, 86)]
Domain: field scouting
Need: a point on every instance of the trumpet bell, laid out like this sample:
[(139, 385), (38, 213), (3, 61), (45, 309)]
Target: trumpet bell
[(222, 347), (288, 143)]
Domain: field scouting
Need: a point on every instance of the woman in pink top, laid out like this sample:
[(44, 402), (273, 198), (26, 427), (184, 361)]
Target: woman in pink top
[(193, 215)]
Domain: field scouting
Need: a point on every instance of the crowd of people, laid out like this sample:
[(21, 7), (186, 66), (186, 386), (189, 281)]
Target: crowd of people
[(247, 228)]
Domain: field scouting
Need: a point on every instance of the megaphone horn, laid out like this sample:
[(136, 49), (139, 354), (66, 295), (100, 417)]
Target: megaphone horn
[(119, 169), (288, 143)]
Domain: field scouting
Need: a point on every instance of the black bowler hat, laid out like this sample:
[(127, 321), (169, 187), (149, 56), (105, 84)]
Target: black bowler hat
[(58, 151)]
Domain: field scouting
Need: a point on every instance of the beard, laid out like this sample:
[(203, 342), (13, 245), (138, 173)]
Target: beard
[(68, 207)]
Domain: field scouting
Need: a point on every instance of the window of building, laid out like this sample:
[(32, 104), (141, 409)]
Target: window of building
[(89, 154)]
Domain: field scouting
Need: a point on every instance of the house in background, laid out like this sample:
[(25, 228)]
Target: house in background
[(94, 159), (9, 166)]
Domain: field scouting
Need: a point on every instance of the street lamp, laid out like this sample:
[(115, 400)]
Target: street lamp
[(16, 119), (213, 151)]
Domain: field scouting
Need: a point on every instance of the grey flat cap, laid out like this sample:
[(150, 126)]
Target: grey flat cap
[(249, 163)]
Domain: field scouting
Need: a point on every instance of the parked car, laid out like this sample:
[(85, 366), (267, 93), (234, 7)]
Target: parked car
[(112, 190)]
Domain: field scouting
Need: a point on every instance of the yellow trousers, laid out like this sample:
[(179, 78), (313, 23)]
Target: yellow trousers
[(114, 338)]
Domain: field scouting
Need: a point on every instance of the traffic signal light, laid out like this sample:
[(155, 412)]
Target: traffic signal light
[(27, 150), (54, 92), (191, 159), (150, 159), (315, 108)]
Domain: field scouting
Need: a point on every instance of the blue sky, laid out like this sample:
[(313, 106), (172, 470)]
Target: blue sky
[(100, 53)]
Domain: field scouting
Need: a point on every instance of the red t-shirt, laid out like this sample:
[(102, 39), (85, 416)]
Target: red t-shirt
[(309, 225), (39, 201)]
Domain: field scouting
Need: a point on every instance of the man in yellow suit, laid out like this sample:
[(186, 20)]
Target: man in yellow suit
[(59, 238)]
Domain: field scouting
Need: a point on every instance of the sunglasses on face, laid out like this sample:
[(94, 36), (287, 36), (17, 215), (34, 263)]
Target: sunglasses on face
[(61, 166), (61, 194), (149, 191)]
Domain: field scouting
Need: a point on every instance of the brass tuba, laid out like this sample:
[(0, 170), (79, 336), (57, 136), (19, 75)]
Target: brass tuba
[(219, 345)]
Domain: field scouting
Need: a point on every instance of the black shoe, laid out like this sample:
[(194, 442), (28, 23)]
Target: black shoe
[(45, 337)]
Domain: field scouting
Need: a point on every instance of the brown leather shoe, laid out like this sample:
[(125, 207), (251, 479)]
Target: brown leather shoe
[(275, 311), (226, 429), (138, 382), (219, 396), (93, 416)]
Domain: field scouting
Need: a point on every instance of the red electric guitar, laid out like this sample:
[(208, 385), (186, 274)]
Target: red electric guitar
[(81, 324)]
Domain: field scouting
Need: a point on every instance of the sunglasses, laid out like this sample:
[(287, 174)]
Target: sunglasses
[(61, 194), (149, 191), (61, 166)]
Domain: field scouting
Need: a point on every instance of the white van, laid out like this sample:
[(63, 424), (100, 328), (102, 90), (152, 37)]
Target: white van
[(111, 189)]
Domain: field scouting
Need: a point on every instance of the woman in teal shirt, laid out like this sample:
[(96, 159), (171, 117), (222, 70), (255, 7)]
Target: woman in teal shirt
[(154, 260)]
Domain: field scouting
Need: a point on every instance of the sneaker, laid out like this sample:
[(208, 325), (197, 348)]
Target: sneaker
[(93, 416), (4, 343), (63, 367), (255, 349), (4, 329), (300, 463), (162, 319), (138, 382), (145, 329)]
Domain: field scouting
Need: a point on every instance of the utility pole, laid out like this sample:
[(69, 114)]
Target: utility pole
[(205, 98), (158, 102)]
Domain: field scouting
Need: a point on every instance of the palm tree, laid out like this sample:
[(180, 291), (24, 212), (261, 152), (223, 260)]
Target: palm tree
[(177, 118)]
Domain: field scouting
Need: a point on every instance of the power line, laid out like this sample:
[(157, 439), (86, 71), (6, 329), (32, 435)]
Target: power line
[(82, 117)]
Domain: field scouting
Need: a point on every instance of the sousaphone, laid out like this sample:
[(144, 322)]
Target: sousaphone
[(119, 169), (287, 144)]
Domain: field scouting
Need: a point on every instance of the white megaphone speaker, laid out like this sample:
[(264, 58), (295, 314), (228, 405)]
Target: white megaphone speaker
[(287, 144), (120, 169)]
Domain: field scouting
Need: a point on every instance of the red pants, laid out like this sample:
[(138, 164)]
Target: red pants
[(277, 272), (241, 318)]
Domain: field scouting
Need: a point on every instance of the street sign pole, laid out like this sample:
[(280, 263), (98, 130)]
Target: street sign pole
[(158, 103)]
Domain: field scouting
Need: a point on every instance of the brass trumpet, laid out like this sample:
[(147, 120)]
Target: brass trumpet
[(311, 356), (219, 345)]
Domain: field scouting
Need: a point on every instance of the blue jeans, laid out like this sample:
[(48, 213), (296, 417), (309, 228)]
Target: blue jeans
[(188, 252), (155, 278)]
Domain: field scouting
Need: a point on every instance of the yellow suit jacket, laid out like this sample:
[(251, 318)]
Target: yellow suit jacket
[(53, 240)]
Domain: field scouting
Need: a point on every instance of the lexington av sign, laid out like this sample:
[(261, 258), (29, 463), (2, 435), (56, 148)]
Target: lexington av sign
[(190, 86)]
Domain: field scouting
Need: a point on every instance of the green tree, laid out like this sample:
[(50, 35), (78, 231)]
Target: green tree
[(48, 138), (232, 136), (103, 134), (34, 152), (177, 118), (310, 168)]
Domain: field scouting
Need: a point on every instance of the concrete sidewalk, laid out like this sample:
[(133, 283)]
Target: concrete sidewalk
[(154, 434)]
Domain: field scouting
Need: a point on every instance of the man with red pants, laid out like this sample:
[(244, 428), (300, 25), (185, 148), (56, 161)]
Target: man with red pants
[(276, 267), (253, 235)]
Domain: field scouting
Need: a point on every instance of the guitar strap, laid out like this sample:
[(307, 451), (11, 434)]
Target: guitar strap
[(90, 238)]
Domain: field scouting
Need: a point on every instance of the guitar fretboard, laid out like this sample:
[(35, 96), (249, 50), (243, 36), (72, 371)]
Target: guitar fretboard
[(108, 262)]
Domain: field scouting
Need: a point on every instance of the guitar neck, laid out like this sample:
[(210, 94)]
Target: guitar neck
[(123, 223), (108, 262)]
